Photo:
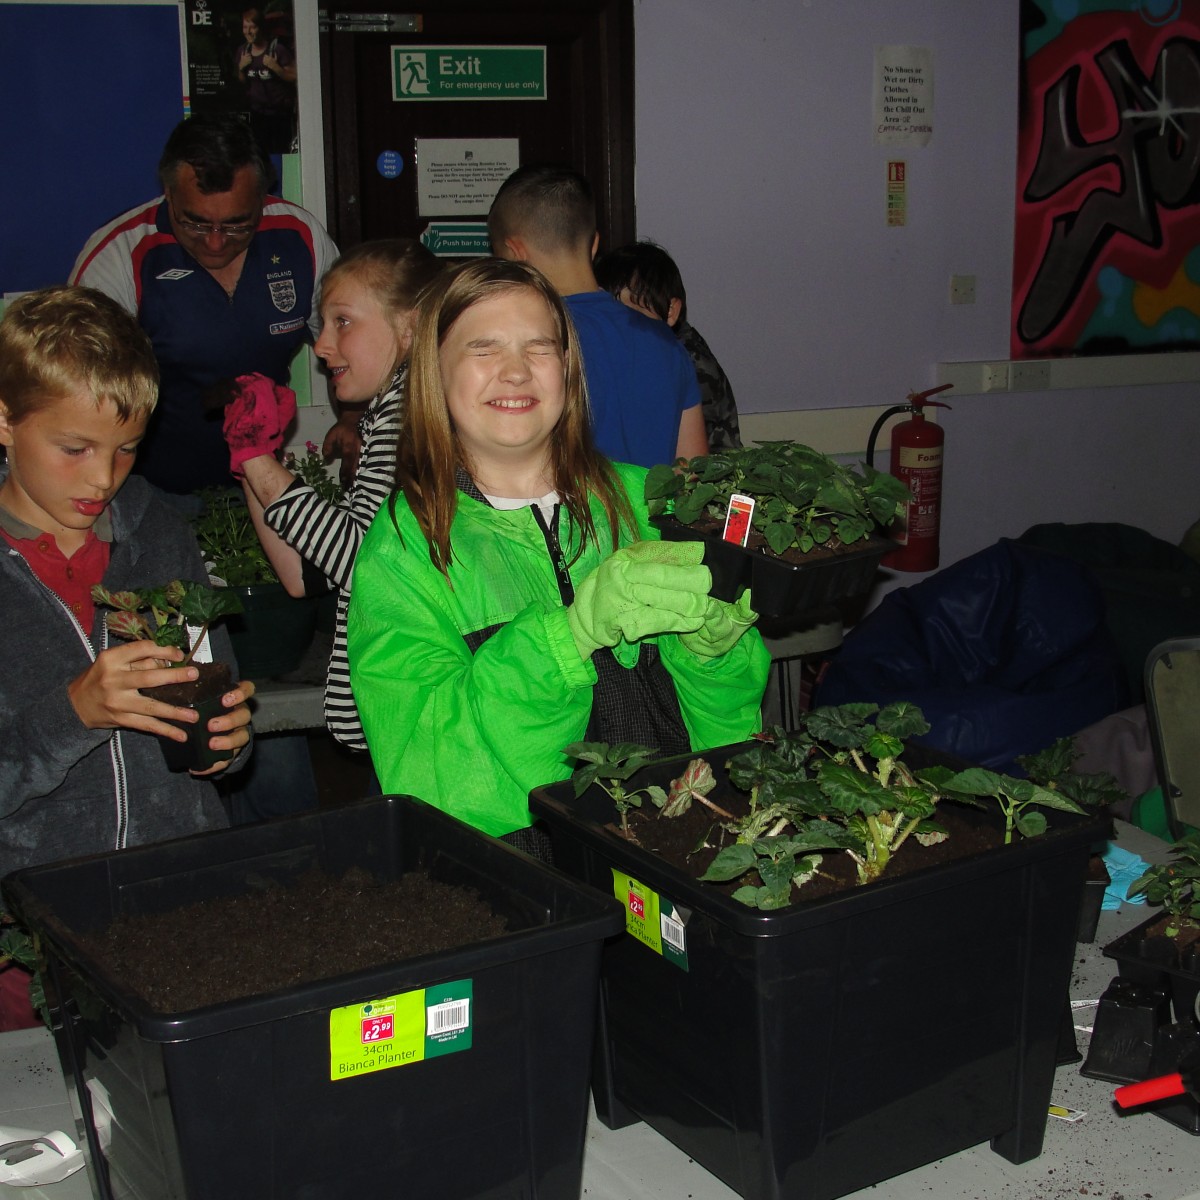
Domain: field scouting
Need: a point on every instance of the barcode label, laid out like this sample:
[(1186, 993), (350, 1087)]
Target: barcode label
[(673, 933), (446, 1018)]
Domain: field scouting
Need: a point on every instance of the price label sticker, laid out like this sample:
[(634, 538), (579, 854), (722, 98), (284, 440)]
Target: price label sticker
[(737, 519)]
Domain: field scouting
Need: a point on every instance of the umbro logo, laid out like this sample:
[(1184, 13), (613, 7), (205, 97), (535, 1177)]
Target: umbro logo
[(174, 273)]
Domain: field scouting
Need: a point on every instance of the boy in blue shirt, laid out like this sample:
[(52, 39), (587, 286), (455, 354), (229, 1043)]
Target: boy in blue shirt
[(642, 390)]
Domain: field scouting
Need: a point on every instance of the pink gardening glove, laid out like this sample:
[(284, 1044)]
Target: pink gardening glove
[(256, 418)]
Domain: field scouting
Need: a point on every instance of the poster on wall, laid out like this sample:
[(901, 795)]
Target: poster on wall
[(1106, 256), (242, 59), (902, 97), (461, 176)]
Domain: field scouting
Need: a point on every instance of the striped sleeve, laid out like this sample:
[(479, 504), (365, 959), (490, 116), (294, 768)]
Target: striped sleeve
[(329, 535)]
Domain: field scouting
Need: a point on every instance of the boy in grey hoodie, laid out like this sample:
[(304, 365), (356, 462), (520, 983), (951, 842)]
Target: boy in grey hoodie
[(80, 768)]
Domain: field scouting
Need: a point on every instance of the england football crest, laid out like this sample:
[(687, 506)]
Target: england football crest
[(283, 294)]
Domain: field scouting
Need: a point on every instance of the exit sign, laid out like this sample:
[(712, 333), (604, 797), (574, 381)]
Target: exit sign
[(468, 72)]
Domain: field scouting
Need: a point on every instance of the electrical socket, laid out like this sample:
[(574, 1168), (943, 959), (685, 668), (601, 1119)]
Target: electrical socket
[(962, 289), (1029, 376), (995, 377)]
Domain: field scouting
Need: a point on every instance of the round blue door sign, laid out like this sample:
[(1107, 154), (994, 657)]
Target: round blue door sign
[(389, 164)]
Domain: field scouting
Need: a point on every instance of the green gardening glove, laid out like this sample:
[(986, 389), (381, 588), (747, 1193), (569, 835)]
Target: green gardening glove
[(640, 590), (723, 625)]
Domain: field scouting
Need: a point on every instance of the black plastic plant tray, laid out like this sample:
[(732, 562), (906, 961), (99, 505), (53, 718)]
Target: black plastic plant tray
[(779, 588)]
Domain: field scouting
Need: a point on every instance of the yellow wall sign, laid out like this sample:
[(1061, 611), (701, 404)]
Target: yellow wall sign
[(394, 1031)]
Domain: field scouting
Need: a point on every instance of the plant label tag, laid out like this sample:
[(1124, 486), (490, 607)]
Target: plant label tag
[(1062, 1113), (204, 650), (737, 519), (394, 1031)]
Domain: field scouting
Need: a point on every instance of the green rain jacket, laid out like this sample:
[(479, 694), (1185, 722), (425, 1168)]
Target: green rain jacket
[(469, 690)]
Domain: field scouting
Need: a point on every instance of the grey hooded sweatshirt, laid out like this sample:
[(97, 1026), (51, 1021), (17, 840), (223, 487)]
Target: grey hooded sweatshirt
[(66, 790)]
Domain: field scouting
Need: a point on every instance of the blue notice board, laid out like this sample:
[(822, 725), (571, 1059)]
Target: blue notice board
[(88, 95)]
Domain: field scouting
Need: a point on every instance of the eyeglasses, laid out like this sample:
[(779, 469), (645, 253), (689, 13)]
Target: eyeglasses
[(232, 233)]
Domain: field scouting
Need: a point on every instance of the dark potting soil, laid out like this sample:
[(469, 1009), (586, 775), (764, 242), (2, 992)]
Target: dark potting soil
[(318, 927), (1179, 951), (214, 678), (690, 843)]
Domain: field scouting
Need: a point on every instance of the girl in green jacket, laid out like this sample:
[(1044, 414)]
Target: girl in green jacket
[(511, 597)]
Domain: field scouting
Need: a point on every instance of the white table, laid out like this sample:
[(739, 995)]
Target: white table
[(1134, 1157)]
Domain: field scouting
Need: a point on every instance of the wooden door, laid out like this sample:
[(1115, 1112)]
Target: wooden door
[(373, 132)]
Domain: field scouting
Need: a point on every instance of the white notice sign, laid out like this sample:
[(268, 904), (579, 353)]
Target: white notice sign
[(903, 99), (461, 176)]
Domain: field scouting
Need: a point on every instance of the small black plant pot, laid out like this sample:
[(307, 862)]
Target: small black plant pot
[(1160, 962), (203, 695), (780, 588), (273, 630), (1127, 1021)]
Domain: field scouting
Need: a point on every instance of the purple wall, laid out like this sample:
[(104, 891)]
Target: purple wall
[(756, 169)]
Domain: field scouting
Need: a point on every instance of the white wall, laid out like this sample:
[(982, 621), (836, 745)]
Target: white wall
[(756, 169)]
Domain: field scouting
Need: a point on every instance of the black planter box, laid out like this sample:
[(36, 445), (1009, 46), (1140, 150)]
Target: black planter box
[(779, 588), (242, 1101), (806, 1053)]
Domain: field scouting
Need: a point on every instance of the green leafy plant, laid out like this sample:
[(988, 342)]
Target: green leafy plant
[(162, 614), (1053, 769), (839, 783), (1019, 799), (836, 783), (17, 946), (803, 498), (311, 468), (1176, 885), (609, 767), (229, 541)]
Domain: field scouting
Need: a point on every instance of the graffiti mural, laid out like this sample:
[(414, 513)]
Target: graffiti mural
[(1107, 248)]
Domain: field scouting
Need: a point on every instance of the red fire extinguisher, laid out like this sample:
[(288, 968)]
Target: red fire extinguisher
[(916, 460)]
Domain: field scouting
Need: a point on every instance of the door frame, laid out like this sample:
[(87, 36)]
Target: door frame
[(610, 171)]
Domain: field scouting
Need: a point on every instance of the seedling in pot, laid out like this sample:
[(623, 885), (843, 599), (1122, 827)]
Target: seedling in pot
[(609, 767), (163, 614), (1176, 885), (840, 782), (1018, 799), (227, 538), (1053, 769)]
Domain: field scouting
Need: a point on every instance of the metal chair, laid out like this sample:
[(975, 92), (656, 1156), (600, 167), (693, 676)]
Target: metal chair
[(1173, 707)]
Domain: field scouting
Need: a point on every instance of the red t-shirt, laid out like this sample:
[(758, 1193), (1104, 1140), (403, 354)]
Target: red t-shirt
[(71, 579)]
